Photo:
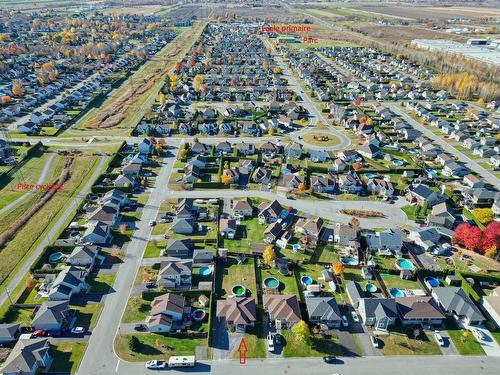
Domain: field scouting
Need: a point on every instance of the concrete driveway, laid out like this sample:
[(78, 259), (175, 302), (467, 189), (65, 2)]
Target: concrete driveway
[(224, 343), (488, 343), (448, 348)]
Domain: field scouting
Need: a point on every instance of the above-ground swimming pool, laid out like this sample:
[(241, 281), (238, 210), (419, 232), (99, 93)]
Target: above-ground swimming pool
[(74, 234), (205, 271), (239, 290), (404, 264), (55, 257), (371, 288), (431, 281), (396, 293), (398, 162), (296, 247), (199, 315), (306, 280), (350, 261), (370, 176), (271, 283)]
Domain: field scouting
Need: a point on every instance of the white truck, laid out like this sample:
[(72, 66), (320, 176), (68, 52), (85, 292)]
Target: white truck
[(182, 361)]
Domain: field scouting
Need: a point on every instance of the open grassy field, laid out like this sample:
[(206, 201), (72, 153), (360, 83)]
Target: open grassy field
[(440, 13), (137, 310), (33, 232), (66, 356), (149, 350), (126, 108), (320, 139)]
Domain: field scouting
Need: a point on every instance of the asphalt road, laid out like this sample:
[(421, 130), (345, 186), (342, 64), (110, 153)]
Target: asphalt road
[(471, 164), (56, 227)]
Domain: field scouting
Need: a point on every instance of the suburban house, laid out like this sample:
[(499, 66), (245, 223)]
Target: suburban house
[(202, 257), (310, 227), (238, 312), (97, 232), (442, 216), (179, 248), (108, 213), (28, 357), (167, 312), (322, 184), (175, 274), (270, 211), (69, 281), (426, 237), (9, 332), (242, 208), (324, 310), (344, 234), (227, 228), (84, 255), (387, 242), (491, 304), (183, 225), (420, 194), (455, 302), (378, 312), (419, 310), (284, 310), (51, 316)]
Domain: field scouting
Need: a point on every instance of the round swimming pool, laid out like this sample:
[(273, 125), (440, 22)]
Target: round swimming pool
[(306, 280), (205, 271), (404, 264), (370, 288), (55, 257), (199, 315), (396, 293), (239, 290), (350, 261), (74, 234), (271, 283), (296, 247), (431, 281), (370, 176), (398, 162)]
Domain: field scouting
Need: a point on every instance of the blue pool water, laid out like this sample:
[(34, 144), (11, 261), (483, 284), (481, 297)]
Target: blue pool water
[(396, 293), (398, 162), (205, 271), (350, 261), (404, 264), (306, 280), (271, 282), (370, 175), (370, 288), (432, 281)]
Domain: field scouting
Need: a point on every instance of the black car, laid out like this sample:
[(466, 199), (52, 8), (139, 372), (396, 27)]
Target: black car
[(278, 339), (150, 285), (330, 359), (140, 327)]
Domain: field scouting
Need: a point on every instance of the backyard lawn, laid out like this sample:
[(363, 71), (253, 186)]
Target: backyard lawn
[(325, 254), (137, 310), (394, 281), (236, 274), (288, 284), (317, 346), (314, 271), (401, 341), (249, 231), (17, 315), (387, 263), (149, 349), (464, 340), (66, 356)]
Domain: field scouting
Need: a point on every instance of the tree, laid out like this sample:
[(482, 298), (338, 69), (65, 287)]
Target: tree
[(468, 235), (161, 98), (491, 239), (30, 283), (483, 215), (301, 331), (301, 186), (5, 99), (197, 82), (338, 268), (133, 343), (268, 256), (122, 228), (174, 81), (265, 65), (182, 153), (270, 132), (277, 70), (17, 88), (354, 222), (225, 179)]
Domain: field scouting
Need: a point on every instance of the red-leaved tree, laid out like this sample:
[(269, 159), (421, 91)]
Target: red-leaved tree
[(491, 235), (469, 235)]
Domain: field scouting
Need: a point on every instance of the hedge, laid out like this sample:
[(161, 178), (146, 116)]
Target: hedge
[(210, 185)]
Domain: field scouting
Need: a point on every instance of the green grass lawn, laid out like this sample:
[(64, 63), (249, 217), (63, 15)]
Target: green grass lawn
[(101, 283), (233, 274), (401, 341), (316, 347), (314, 271), (137, 310), (148, 348), (88, 315), (387, 263), (288, 284), (409, 211), (250, 231), (496, 336), (325, 254), (66, 356), (154, 248), (464, 340), (394, 281), (17, 315)]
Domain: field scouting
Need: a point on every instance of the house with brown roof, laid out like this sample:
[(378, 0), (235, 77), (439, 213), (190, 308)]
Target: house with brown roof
[(239, 313), (269, 212), (310, 227), (242, 207), (419, 310), (284, 310), (167, 313), (227, 228)]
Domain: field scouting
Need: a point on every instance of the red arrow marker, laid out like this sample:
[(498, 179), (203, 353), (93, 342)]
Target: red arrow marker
[(242, 349)]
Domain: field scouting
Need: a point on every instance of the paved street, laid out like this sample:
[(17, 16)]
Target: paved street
[(470, 163)]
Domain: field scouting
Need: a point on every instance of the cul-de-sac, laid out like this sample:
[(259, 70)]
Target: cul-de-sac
[(249, 187)]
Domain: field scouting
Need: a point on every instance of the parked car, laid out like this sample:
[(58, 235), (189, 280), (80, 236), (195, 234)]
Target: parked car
[(330, 359), (478, 334), (355, 317), (270, 342), (150, 285), (39, 333), (439, 338), (77, 330), (345, 322), (374, 341), (156, 365), (278, 339), (166, 220), (140, 327), (152, 223)]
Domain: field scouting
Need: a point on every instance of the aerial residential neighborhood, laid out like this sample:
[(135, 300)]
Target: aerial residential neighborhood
[(249, 187)]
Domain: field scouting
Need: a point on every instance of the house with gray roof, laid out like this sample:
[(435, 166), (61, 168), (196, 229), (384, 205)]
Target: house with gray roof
[(414, 310), (426, 237), (179, 248), (441, 216), (183, 225), (97, 232), (455, 302), (28, 357), (51, 316), (9, 332), (175, 274), (202, 257), (69, 281), (324, 310), (378, 312), (354, 292), (83, 255), (385, 241)]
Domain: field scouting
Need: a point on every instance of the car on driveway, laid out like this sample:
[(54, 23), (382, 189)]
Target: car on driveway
[(345, 322), (438, 338), (374, 341), (39, 333), (270, 342), (156, 365), (355, 316), (330, 359), (478, 334), (140, 327), (152, 223), (278, 339), (77, 330)]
